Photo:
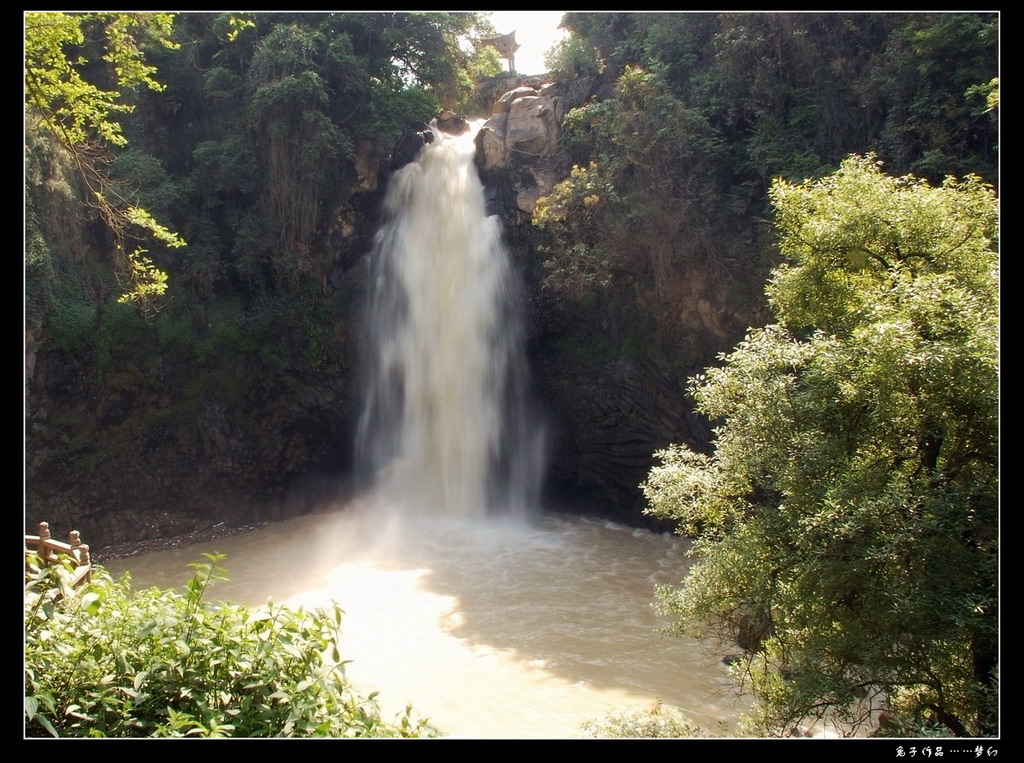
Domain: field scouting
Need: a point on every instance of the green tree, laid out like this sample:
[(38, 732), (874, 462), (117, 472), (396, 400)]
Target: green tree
[(283, 116), (848, 516), (647, 147), (65, 95), (700, 111)]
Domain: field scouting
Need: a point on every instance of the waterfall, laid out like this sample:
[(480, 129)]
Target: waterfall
[(445, 430)]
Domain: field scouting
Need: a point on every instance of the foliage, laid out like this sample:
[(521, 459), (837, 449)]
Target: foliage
[(297, 142), (573, 58), (571, 213), (485, 61), (790, 92), (653, 169), (387, 111), (703, 110), (992, 94), (71, 317), (144, 179), (105, 661), (250, 152), (63, 98), (149, 282), (849, 513), (288, 109), (661, 722), (937, 66), (417, 48), (692, 117)]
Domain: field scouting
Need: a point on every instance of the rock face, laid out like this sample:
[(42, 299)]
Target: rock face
[(169, 436), (610, 371), (611, 421), (150, 462), (523, 136), (531, 127), (415, 137), (449, 123)]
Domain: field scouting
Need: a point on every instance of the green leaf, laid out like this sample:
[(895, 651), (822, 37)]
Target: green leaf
[(848, 514)]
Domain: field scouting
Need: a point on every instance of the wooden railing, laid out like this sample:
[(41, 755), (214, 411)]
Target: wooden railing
[(50, 551)]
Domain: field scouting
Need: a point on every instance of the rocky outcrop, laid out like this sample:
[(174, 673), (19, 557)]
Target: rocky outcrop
[(611, 372), (415, 137), (124, 459), (367, 165), (169, 436), (451, 124), (523, 137), (610, 425)]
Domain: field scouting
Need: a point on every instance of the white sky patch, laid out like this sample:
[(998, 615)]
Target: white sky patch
[(536, 32)]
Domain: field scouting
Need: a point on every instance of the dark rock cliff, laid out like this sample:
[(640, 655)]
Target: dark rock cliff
[(245, 411)]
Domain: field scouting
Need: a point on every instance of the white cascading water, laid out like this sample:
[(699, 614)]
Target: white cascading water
[(445, 430), (491, 627)]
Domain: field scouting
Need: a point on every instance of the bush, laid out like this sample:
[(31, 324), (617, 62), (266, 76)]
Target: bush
[(105, 661), (661, 722)]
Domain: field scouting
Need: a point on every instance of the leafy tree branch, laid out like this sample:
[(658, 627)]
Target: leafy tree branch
[(62, 97)]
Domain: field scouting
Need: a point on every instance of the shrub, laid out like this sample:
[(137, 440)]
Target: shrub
[(660, 722), (105, 661)]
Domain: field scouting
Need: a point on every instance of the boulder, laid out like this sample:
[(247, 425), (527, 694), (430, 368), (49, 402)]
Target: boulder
[(504, 103), (415, 137), (490, 141), (524, 135), (451, 124), (531, 125)]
